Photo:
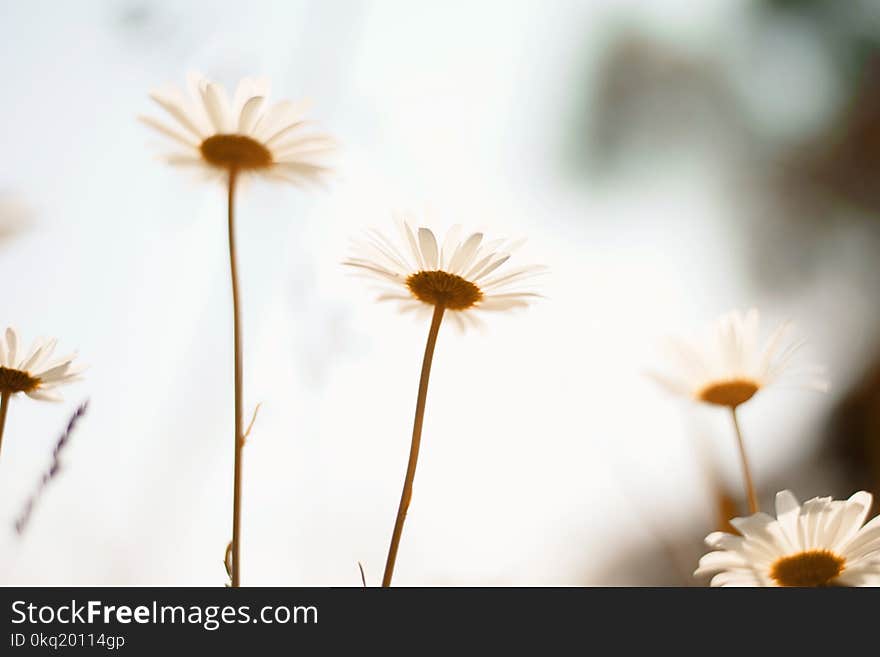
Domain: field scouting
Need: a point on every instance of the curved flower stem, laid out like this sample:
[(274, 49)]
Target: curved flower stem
[(4, 407), (406, 495), (239, 441), (747, 474)]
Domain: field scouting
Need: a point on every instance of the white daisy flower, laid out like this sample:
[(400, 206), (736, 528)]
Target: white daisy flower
[(733, 365), (243, 135), (453, 278), (821, 543), (33, 372), (460, 275)]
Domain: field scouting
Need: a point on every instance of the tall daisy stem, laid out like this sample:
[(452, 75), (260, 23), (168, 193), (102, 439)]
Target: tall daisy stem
[(239, 442), (406, 495), (747, 473), (4, 407)]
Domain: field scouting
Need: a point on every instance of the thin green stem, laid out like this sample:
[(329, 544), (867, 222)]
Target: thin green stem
[(406, 495), (238, 438), (747, 473), (4, 408)]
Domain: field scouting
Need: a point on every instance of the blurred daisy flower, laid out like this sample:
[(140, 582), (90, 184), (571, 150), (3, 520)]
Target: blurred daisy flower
[(734, 365), (460, 275), (245, 134), (33, 372), (14, 216), (821, 543)]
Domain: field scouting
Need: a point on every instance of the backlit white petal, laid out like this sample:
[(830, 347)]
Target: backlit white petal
[(41, 394), (11, 347), (179, 137), (489, 268), (463, 257), (250, 112), (853, 517), (450, 243), (428, 246), (788, 514), (215, 106)]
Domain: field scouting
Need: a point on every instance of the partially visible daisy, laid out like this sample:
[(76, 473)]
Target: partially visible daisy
[(454, 278), (733, 365), (34, 371), (462, 275), (244, 134), (821, 543)]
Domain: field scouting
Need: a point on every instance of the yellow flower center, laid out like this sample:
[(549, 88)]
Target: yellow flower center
[(13, 381), (809, 568), (728, 393), (235, 152), (440, 288)]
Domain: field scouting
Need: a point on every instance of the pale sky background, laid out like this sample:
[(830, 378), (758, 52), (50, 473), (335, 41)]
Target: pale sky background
[(544, 447)]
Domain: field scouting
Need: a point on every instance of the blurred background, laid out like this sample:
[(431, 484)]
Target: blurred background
[(668, 160)]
